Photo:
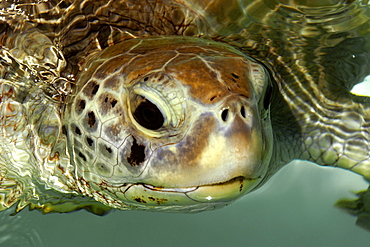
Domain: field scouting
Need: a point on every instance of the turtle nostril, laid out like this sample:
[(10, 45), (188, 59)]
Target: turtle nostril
[(225, 115), (242, 111)]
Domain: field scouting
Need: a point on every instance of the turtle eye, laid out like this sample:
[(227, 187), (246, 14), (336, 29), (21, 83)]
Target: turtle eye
[(148, 115)]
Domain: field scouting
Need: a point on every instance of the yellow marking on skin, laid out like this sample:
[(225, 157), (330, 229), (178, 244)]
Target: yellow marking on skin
[(227, 191)]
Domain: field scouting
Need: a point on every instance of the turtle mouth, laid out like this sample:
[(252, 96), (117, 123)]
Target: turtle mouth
[(223, 191), (197, 198)]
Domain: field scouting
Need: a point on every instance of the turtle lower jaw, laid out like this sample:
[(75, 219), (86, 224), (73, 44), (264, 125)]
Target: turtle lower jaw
[(189, 199), (223, 191)]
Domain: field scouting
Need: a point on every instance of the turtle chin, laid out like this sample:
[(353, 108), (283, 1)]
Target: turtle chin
[(188, 199)]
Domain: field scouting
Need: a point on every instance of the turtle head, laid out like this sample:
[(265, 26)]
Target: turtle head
[(170, 123)]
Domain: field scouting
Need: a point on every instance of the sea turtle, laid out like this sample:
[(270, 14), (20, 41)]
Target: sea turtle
[(175, 105)]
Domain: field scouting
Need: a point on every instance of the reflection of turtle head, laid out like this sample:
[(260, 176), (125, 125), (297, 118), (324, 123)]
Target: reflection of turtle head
[(170, 123)]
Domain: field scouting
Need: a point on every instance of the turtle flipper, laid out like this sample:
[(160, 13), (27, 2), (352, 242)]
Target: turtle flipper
[(9, 192), (359, 207), (72, 204)]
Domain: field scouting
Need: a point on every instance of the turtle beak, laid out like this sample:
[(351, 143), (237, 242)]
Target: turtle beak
[(223, 154), (234, 153)]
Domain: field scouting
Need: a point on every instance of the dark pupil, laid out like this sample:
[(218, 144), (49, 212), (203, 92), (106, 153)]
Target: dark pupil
[(148, 115)]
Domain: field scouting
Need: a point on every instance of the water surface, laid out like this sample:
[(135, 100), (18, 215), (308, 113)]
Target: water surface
[(295, 208)]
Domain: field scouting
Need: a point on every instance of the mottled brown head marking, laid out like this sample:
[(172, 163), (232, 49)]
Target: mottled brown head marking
[(180, 57), (91, 120), (235, 76), (91, 89), (137, 155), (107, 103), (105, 150), (82, 156), (80, 106), (89, 141), (77, 131)]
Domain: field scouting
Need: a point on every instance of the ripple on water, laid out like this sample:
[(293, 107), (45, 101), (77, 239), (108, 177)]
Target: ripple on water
[(17, 231)]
